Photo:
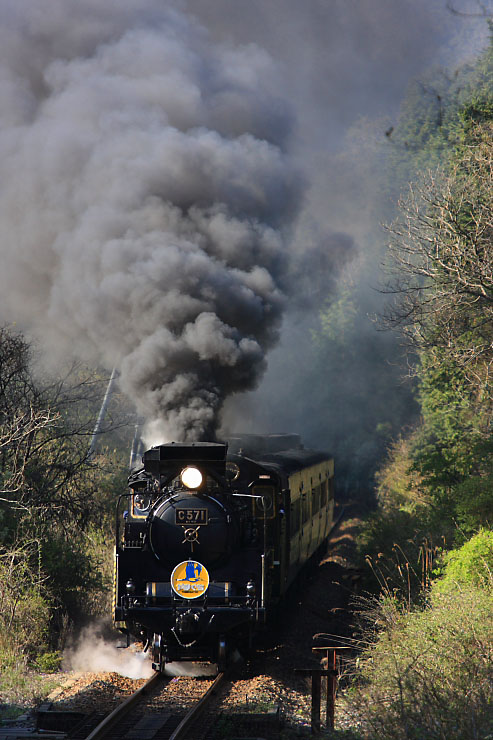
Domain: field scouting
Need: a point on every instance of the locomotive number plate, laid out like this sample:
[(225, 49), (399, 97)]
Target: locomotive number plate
[(191, 516)]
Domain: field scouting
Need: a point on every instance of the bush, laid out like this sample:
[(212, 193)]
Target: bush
[(19, 687), (428, 674), (24, 608), (99, 548), (49, 662), (471, 564), (72, 572)]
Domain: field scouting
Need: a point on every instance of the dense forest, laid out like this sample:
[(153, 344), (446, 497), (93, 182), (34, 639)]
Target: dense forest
[(427, 548)]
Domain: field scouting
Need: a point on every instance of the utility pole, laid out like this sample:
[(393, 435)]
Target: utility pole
[(102, 413)]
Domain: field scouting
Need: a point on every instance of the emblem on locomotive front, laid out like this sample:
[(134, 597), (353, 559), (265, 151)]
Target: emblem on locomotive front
[(190, 579)]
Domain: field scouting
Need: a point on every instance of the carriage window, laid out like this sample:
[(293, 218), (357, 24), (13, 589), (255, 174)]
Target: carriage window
[(306, 507), (295, 517), (331, 489)]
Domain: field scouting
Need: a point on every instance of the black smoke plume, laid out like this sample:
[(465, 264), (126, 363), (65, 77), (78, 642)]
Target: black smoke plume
[(145, 199)]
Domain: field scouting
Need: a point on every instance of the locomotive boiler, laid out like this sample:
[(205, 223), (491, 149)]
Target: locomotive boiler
[(209, 538)]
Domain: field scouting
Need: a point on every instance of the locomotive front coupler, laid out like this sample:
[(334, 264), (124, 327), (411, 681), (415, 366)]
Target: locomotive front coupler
[(187, 622), (190, 627)]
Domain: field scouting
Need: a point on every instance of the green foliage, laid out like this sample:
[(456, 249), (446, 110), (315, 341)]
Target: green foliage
[(49, 662), (337, 320), (441, 475), (470, 565), (422, 137), (402, 538), (451, 443), (437, 118), (25, 612), (427, 673), (433, 491), (476, 100), (99, 548), (452, 450), (473, 502)]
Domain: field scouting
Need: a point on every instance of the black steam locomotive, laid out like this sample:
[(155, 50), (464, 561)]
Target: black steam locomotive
[(208, 541)]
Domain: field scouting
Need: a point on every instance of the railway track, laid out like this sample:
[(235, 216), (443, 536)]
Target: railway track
[(154, 711)]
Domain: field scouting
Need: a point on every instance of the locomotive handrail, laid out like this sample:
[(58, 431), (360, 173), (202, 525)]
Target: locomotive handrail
[(262, 585), (246, 495), (117, 517)]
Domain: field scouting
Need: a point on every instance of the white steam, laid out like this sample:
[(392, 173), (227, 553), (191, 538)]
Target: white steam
[(94, 653), (190, 669), (144, 199)]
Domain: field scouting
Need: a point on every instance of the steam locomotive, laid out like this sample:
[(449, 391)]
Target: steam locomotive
[(209, 538)]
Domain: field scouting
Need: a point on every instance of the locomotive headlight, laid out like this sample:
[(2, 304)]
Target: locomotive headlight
[(191, 477)]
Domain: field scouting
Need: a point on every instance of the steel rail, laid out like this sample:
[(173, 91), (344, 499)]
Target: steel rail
[(180, 732), (122, 709)]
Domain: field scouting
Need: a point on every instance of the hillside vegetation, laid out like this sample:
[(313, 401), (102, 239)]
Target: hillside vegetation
[(56, 513), (426, 667)]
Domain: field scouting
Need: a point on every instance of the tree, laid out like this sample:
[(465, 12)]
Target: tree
[(53, 494), (442, 264), (46, 474)]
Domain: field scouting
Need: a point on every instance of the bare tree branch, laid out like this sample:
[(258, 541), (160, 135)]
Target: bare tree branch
[(441, 261), (45, 472), (482, 13)]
